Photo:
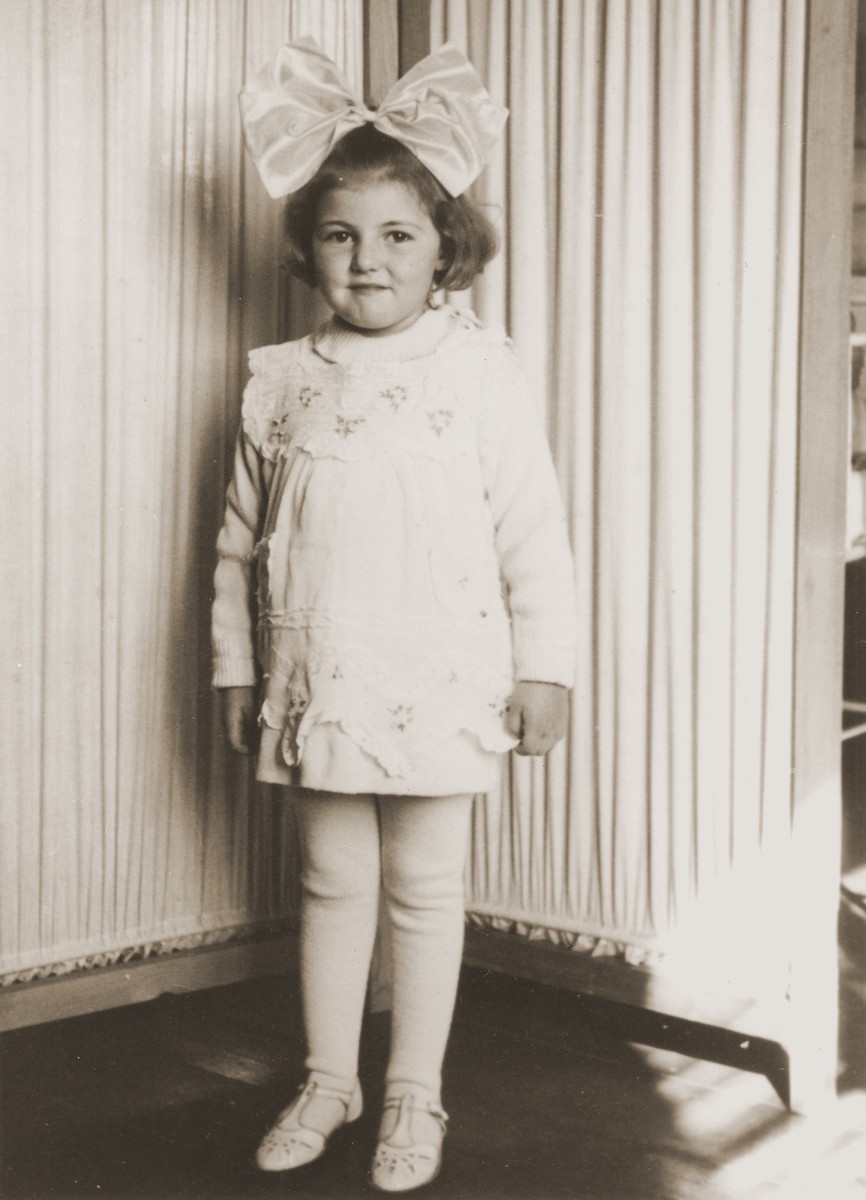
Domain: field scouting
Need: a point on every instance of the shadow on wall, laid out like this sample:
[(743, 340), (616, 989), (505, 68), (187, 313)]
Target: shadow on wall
[(230, 295)]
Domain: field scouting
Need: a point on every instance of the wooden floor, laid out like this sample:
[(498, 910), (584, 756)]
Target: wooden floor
[(550, 1095)]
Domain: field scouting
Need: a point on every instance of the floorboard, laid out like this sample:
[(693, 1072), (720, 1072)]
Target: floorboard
[(550, 1094)]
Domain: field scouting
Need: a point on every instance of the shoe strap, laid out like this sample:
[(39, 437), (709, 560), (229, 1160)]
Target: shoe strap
[(401, 1101), (314, 1088), (306, 1092)]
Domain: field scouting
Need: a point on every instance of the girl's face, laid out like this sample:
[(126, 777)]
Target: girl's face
[(375, 251)]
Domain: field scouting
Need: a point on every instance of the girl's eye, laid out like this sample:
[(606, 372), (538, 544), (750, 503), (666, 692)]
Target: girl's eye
[(400, 236), (340, 236)]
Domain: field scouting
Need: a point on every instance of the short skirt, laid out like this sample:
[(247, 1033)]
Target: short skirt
[(333, 762)]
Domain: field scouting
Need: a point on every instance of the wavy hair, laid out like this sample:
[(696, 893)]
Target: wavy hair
[(468, 239)]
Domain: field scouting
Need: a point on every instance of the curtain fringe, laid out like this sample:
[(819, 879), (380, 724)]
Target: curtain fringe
[(154, 949), (593, 945)]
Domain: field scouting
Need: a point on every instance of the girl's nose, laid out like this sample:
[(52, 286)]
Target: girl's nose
[(365, 258)]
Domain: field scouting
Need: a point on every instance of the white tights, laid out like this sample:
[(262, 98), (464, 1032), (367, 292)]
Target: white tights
[(414, 849)]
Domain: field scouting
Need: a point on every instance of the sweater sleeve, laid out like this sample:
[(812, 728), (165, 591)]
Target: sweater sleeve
[(531, 533), (234, 617)]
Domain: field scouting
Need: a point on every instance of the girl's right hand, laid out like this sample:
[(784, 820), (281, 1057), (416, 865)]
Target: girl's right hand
[(239, 718)]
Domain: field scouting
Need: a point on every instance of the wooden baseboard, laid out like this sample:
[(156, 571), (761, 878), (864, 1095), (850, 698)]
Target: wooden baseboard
[(606, 978), (102, 988), (610, 978)]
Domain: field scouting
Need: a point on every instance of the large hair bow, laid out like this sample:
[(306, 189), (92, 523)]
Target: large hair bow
[(296, 109)]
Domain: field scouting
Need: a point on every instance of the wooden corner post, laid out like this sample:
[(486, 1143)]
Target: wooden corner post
[(823, 400), (396, 35), (381, 49)]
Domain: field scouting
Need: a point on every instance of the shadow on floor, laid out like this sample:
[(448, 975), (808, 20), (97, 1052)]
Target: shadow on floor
[(550, 1095)]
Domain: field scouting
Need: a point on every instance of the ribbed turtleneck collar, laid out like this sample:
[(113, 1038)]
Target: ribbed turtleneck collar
[(338, 343)]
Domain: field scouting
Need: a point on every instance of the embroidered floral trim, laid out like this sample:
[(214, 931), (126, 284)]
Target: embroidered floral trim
[(399, 761), (400, 737), (307, 395), (397, 715), (403, 717), (291, 377), (396, 396), (346, 426), (440, 420)]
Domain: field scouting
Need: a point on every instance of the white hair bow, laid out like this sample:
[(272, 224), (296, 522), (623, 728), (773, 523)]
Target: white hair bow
[(296, 109)]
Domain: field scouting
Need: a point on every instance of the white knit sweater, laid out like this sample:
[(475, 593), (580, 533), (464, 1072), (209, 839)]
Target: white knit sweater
[(395, 509)]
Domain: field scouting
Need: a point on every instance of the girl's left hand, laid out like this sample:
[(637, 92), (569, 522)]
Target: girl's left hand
[(537, 714)]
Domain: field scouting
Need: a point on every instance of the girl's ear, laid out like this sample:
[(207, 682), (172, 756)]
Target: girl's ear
[(443, 261)]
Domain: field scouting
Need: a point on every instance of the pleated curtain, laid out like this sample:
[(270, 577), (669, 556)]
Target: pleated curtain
[(141, 262), (648, 195)]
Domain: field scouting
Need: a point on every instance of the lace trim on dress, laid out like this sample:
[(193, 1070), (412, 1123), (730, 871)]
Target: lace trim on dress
[(397, 722), (393, 417), (327, 409), (398, 754)]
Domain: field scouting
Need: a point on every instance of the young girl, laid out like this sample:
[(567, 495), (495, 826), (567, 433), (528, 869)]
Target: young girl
[(394, 497)]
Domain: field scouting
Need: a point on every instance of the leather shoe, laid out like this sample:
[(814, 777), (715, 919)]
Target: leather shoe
[(291, 1143), (402, 1162)]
